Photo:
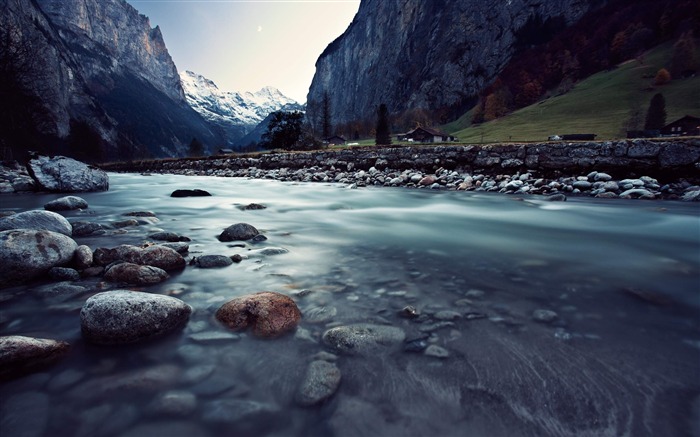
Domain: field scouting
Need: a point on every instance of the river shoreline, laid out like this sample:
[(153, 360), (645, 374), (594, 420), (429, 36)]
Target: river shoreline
[(646, 169)]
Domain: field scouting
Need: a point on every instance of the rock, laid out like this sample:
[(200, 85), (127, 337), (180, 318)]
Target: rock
[(179, 247), (63, 274), (363, 338), (64, 174), (544, 316), (125, 223), (691, 195), (26, 254), (637, 193), (602, 177), (82, 258), (83, 229), (253, 206), (37, 220), (170, 428), (555, 198), (157, 256), (320, 382), (267, 251), (582, 185), (59, 292), (238, 232), (66, 203), (427, 180), (140, 214), (171, 237), (320, 314), (269, 314), (21, 355), (135, 274), (409, 312), (190, 193), (213, 261), (436, 351), (174, 403), (121, 316)]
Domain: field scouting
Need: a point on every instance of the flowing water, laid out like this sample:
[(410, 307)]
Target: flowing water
[(622, 358)]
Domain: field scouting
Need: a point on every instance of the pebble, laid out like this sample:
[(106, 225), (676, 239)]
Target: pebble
[(544, 316), (436, 351), (363, 338)]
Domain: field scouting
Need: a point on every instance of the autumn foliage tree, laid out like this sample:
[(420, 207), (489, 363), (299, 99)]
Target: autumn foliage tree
[(662, 77)]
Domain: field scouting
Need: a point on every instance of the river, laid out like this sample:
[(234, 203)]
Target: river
[(622, 356)]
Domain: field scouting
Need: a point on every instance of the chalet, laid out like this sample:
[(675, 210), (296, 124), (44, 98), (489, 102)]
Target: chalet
[(224, 151), (335, 140), (687, 126), (425, 135)]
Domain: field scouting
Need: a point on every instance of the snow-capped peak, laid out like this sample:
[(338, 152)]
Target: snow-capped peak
[(246, 108)]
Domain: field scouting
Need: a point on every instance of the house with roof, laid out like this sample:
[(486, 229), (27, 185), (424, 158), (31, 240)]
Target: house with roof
[(425, 135), (687, 126), (335, 140)]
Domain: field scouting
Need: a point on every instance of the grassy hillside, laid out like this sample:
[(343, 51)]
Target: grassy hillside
[(600, 104)]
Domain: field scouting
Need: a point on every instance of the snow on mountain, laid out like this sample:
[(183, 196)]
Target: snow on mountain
[(233, 108)]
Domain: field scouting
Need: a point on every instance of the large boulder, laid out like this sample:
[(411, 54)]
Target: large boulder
[(122, 317), (66, 203), (37, 220), (269, 314), (20, 355), (157, 256), (63, 174), (135, 274), (238, 232), (26, 254)]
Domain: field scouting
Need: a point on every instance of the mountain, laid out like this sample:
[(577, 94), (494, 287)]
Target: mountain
[(237, 114), (435, 55), (107, 69)]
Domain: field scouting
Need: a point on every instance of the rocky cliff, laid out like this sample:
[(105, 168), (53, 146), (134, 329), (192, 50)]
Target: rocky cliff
[(105, 66), (424, 54)]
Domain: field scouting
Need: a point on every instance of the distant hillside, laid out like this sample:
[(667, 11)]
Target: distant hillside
[(603, 104)]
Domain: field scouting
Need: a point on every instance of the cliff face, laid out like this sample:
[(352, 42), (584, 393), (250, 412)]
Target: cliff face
[(111, 37), (101, 63), (424, 54)]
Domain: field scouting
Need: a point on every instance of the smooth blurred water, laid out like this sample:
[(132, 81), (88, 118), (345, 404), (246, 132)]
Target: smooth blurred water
[(623, 276)]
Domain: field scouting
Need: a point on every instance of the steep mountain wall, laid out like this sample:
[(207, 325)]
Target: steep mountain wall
[(99, 62), (424, 54), (51, 70)]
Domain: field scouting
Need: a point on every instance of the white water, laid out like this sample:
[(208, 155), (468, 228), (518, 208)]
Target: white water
[(614, 364)]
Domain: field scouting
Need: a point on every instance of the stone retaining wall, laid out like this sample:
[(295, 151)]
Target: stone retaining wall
[(667, 160)]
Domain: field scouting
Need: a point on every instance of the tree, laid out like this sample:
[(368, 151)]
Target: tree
[(196, 148), (684, 58), (656, 114), (284, 131), (326, 116), (662, 77), (383, 134)]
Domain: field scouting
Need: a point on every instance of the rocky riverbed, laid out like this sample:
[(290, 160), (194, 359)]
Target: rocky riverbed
[(406, 312), (624, 169)]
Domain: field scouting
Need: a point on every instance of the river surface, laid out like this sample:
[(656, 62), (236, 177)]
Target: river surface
[(621, 359)]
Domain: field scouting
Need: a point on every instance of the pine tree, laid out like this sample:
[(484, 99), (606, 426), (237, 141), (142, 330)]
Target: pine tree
[(684, 59), (196, 147), (656, 114), (383, 133)]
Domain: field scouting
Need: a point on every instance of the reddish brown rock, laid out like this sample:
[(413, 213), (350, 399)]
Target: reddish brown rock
[(21, 355), (269, 314)]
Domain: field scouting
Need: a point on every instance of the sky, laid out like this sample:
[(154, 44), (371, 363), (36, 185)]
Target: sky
[(244, 45)]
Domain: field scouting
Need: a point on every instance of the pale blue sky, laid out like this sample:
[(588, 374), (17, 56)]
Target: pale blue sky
[(245, 45)]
